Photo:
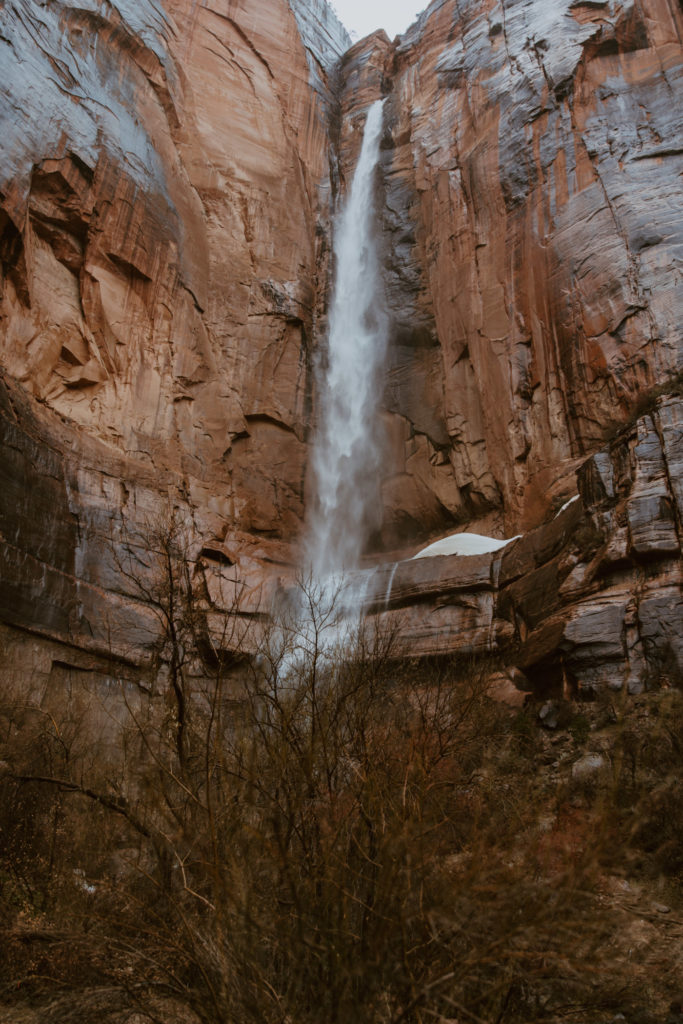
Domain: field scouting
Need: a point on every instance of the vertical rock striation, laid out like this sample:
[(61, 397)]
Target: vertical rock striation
[(167, 180), (165, 184), (534, 227), (163, 181)]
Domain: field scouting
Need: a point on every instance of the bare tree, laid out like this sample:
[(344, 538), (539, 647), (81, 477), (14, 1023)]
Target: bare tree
[(355, 840)]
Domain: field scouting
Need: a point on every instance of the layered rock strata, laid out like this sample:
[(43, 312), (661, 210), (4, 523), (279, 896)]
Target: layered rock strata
[(591, 599)]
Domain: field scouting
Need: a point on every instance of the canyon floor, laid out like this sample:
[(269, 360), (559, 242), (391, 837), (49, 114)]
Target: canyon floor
[(463, 860)]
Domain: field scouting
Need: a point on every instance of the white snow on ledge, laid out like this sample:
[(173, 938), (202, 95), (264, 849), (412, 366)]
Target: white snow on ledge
[(464, 544), (568, 504), (475, 543)]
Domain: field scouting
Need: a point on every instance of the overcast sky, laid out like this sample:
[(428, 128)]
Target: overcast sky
[(364, 16)]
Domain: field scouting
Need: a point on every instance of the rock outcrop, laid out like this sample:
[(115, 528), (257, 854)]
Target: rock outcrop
[(590, 600), (167, 183)]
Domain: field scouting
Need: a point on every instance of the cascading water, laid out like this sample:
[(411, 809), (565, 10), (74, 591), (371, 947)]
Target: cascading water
[(347, 451)]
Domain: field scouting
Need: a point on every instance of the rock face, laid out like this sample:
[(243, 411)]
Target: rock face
[(534, 221), (164, 182), (168, 176)]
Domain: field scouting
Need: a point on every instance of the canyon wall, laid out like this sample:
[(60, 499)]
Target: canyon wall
[(165, 197), (168, 177), (589, 601), (533, 220), (164, 183)]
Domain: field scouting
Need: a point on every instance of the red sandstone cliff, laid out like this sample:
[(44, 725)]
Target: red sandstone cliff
[(164, 183), (533, 224), (167, 174)]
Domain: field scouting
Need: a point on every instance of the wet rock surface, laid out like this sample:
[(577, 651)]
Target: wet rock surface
[(166, 203), (578, 605), (164, 185), (532, 214), (590, 600)]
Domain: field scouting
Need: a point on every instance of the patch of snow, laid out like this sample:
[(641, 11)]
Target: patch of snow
[(567, 504), (80, 879), (464, 544)]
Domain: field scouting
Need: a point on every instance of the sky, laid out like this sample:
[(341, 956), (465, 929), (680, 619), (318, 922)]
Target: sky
[(364, 16)]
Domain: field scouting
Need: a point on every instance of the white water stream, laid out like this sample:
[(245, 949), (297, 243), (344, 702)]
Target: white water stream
[(347, 451), (346, 456)]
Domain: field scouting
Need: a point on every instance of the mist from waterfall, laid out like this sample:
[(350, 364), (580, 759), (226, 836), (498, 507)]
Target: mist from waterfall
[(347, 453)]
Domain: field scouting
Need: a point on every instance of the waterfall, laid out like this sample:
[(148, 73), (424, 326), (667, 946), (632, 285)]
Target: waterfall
[(387, 595), (346, 457)]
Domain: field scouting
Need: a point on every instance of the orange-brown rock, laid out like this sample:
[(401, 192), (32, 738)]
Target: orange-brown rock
[(533, 224), (591, 599), (165, 192), (167, 180), (164, 184)]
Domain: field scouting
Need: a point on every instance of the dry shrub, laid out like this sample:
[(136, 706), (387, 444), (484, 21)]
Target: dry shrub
[(362, 842), (647, 800)]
